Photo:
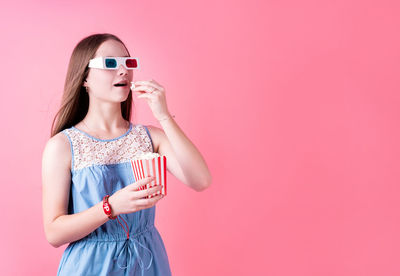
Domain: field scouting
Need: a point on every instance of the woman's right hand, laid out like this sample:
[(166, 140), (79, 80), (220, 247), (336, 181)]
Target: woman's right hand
[(130, 199)]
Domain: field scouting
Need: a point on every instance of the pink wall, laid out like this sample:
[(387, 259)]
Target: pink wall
[(294, 105)]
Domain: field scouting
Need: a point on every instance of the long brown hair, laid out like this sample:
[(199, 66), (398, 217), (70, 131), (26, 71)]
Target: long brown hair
[(75, 100)]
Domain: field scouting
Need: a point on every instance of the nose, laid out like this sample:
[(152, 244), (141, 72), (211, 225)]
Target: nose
[(122, 70)]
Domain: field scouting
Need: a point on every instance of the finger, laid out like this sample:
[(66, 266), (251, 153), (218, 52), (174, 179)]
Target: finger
[(149, 83), (143, 187), (148, 201), (145, 96), (151, 96), (149, 191), (156, 82), (142, 182), (146, 88)]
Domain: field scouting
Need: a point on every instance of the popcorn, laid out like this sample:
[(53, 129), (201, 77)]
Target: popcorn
[(147, 155), (151, 164)]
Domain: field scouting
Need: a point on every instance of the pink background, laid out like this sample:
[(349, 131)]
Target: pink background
[(293, 104)]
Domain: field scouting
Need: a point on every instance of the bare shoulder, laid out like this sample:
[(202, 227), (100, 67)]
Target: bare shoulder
[(58, 149), (56, 182), (156, 134)]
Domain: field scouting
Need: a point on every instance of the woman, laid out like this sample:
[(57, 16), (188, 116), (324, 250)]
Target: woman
[(86, 173)]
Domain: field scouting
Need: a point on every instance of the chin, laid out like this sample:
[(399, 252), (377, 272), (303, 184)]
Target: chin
[(122, 99), (122, 92)]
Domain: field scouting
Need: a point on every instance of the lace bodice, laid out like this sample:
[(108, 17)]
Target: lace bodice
[(87, 150)]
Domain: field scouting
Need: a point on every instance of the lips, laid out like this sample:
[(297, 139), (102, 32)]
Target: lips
[(121, 83)]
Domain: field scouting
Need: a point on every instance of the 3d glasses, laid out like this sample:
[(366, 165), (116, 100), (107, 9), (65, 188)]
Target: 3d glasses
[(113, 63)]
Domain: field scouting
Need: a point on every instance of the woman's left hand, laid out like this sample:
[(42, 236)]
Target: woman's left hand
[(155, 95)]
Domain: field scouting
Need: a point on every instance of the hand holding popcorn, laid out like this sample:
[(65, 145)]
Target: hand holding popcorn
[(151, 164)]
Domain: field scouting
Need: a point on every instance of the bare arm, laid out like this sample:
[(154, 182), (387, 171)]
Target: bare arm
[(184, 159), (61, 228)]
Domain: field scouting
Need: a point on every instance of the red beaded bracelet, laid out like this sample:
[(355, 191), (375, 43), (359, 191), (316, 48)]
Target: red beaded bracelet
[(107, 207)]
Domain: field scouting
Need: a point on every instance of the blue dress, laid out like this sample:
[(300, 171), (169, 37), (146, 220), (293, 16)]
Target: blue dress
[(101, 167)]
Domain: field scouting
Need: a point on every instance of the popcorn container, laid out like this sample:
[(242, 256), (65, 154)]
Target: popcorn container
[(151, 164)]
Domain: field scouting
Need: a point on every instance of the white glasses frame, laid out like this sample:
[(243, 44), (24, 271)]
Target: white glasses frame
[(100, 63)]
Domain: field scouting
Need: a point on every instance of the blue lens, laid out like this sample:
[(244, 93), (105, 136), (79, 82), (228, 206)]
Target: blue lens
[(110, 63)]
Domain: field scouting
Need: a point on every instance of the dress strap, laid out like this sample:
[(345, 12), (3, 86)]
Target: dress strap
[(65, 132), (149, 137)]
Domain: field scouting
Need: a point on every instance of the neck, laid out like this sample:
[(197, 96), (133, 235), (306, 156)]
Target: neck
[(105, 117)]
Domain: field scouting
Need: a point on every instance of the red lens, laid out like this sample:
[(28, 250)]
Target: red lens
[(131, 63)]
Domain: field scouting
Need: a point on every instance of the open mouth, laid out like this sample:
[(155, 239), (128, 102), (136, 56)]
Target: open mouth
[(121, 84)]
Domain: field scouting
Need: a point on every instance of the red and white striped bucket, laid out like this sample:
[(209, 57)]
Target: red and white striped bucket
[(156, 167)]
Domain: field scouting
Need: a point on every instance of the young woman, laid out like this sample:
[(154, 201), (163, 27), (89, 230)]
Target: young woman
[(90, 197)]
